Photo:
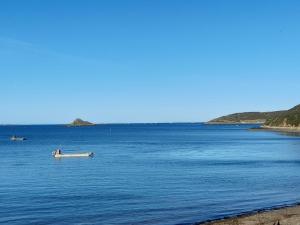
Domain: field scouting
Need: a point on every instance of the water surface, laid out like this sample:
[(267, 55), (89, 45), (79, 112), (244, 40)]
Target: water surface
[(144, 173)]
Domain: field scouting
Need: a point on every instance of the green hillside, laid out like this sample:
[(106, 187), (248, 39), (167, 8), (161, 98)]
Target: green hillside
[(290, 118), (246, 117)]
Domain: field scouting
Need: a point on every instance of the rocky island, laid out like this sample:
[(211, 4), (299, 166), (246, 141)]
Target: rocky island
[(80, 122)]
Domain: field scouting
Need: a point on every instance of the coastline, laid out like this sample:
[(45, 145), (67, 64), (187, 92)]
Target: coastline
[(233, 123), (280, 129), (283, 215), (286, 215)]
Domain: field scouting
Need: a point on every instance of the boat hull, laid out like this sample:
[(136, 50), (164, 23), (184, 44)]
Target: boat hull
[(18, 139), (88, 154)]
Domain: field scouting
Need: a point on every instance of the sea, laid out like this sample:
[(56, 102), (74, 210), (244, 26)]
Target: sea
[(165, 174)]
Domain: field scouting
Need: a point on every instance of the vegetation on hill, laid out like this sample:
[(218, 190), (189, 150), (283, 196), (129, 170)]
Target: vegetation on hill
[(80, 122), (246, 117), (290, 118), (285, 119)]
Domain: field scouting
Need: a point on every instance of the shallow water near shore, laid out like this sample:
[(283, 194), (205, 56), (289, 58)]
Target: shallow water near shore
[(144, 173)]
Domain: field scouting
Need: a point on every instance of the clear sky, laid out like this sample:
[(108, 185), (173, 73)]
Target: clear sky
[(146, 60)]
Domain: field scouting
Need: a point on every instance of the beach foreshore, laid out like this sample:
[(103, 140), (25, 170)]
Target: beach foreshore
[(280, 216)]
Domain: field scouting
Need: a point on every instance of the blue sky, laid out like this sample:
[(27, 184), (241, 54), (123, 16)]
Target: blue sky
[(146, 61)]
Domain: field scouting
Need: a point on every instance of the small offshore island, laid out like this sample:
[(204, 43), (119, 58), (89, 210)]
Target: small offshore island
[(285, 121), (79, 123)]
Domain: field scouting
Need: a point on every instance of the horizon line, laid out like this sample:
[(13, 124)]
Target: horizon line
[(113, 123)]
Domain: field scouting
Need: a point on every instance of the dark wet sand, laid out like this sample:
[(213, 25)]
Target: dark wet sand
[(283, 216)]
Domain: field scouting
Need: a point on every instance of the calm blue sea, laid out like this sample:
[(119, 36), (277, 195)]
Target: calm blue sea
[(144, 173)]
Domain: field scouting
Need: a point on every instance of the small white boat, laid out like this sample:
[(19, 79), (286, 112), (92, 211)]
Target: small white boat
[(58, 154), (15, 138)]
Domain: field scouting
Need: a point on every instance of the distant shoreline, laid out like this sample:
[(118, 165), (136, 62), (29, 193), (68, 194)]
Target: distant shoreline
[(278, 129), (261, 128), (99, 124), (233, 123), (285, 215)]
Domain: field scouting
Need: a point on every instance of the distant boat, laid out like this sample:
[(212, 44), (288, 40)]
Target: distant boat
[(15, 138), (58, 154)]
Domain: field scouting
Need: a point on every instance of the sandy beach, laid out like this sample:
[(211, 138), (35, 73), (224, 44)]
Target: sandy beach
[(283, 216)]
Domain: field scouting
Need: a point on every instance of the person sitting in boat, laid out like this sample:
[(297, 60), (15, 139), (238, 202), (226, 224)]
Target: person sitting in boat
[(56, 152)]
